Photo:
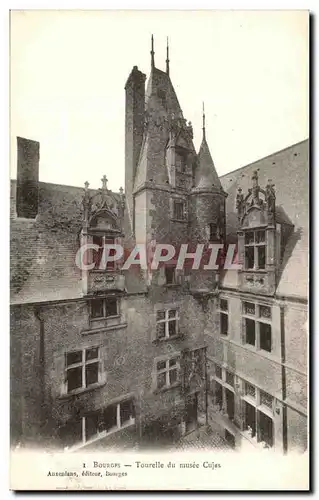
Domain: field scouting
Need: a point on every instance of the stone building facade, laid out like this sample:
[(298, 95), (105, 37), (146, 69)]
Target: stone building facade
[(138, 357)]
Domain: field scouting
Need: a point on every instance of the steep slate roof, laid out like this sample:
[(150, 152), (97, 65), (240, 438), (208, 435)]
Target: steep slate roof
[(288, 170), (161, 104), (160, 81), (43, 251)]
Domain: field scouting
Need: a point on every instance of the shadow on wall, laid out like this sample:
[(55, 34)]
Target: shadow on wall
[(289, 245)]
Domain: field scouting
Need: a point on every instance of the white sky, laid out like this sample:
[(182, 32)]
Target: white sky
[(69, 68)]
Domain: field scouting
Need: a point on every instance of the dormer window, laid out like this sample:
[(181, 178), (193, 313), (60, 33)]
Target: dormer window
[(255, 249), (180, 162)]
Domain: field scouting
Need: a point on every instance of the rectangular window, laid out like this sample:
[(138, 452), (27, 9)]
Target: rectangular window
[(110, 307), (257, 423), (178, 210), (224, 397), (82, 368), (249, 258), (266, 399), (255, 249), (219, 395), (180, 162), (167, 372), (265, 429), (218, 372), (230, 404), (98, 424), (167, 323), (230, 378), (250, 331), (215, 232), (250, 390), (97, 255), (101, 241), (223, 324), (97, 308), (104, 307), (257, 326), (223, 316), (265, 336), (170, 275), (250, 419)]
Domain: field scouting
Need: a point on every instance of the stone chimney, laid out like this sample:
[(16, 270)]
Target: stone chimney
[(27, 178)]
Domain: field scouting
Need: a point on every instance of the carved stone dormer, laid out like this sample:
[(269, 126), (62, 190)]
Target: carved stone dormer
[(179, 152), (257, 237), (102, 225)]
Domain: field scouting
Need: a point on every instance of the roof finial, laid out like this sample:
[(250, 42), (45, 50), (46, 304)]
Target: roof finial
[(152, 53), (204, 132), (104, 182), (167, 56)]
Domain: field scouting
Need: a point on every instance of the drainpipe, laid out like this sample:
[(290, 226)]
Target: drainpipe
[(206, 386), (283, 380), (37, 314)]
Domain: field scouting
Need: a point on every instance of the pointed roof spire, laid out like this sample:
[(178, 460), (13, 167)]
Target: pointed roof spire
[(204, 131), (152, 53), (207, 175), (167, 56)]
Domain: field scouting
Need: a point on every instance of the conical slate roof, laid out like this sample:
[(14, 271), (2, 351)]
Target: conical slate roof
[(207, 176)]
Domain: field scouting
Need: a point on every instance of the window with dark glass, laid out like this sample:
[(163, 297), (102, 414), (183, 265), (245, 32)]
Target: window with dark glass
[(180, 162), (110, 417), (219, 395), (97, 309), (265, 336), (166, 323), (82, 368), (223, 307), (104, 307), (230, 378), (178, 210), (127, 411), (101, 242), (257, 325), (218, 371), (224, 324), (250, 331), (250, 419), (91, 425), (97, 254), (98, 423), (255, 249), (257, 422), (170, 275), (265, 428), (167, 372), (230, 404), (110, 307)]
